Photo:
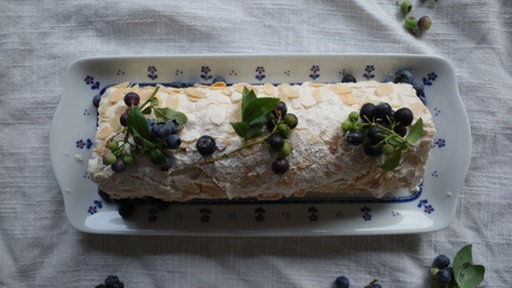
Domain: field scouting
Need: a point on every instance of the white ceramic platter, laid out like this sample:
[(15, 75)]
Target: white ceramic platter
[(432, 208)]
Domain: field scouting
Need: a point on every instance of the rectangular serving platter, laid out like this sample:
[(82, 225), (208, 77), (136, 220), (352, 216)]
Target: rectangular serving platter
[(431, 208)]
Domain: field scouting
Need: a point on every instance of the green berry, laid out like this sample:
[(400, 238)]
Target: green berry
[(109, 158), (291, 120), (405, 7), (347, 125), (357, 127), (411, 23), (128, 159), (424, 23), (112, 145), (283, 130), (353, 116), (388, 149), (286, 150), (156, 156)]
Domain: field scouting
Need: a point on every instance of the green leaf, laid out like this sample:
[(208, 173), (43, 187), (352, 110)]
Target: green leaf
[(258, 122), (395, 140), (392, 162), (146, 144), (156, 156), (169, 114), (253, 133), (471, 276), (137, 122), (147, 110), (258, 107), (415, 133), (467, 275), (247, 97), (240, 128)]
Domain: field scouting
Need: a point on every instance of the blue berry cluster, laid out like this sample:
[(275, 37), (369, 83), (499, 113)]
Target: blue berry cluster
[(111, 281), (441, 272)]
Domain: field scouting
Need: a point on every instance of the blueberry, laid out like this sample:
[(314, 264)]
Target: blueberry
[(342, 282), (126, 208), (441, 261), (403, 116), (372, 150), (400, 130), (280, 166), (162, 131), (173, 125), (131, 99), (104, 196), (280, 110), (169, 162), (119, 166), (96, 100), (354, 138), (218, 79), (101, 286), (173, 141), (424, 23), (443, 276), (175, 84), (367, 112), (348, 78), (419, 88), (404, 76), (276, 142), (123, 119), (113, 281), (206, 145), (383, 110), (375, 134), (376, 285)]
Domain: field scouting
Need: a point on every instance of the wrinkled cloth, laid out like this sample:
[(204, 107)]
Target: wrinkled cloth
[(39, 38)]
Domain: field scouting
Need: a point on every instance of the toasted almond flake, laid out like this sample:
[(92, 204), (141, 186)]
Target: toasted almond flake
[(117, 95), (349, 99), (340, 89), (269, 89), (288, 91), (316, 85), (384, 90), (105, 132), (219, 84), (104, 107), (227, 92), (194, 94), (317, 95), (172, 102), (236, 97)]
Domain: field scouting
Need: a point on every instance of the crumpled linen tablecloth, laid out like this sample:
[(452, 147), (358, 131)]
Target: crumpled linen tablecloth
[(39, 38)]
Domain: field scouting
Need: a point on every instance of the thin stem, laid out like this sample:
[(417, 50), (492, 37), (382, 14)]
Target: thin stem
[(150, 98)]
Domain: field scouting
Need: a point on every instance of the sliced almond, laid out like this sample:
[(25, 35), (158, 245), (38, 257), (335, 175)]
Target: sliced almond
[(117, 96), (105, 132), (220, 84), (384, 90), (194, 94), (227, 92), (317, 94), (172, 102), (340, 89), (316, 85), (269, 89), (348, 99)]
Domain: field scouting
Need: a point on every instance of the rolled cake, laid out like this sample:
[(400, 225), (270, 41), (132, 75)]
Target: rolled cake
[(321, 162)]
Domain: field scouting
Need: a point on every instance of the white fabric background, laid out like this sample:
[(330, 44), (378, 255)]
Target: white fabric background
[(39, 38)]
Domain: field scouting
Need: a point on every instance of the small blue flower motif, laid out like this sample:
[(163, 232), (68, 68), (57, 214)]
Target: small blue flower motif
[(440, 143), (395, 213), (432, 76), (152, 72), (260, 73), (205, 215), (315, 69), (89, 80), (92, 210), (435, 174), (98, 204), (368, 72), (205, 70), (366, 213), (80, 144), (437, 111), (259, 214), (313, 214), (422, 203), (152, 218), (428, 209)]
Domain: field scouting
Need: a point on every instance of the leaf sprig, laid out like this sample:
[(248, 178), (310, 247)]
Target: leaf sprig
[(395, 145), (466, 274), (254, 115), (137, 138)]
